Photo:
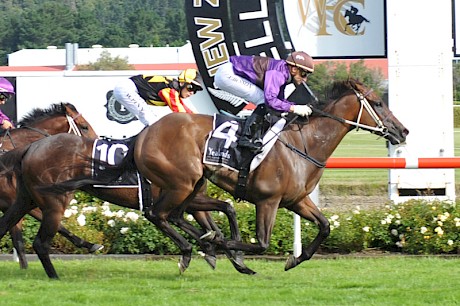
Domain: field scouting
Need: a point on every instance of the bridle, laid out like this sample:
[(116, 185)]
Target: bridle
[(73, 129), (380, 128)]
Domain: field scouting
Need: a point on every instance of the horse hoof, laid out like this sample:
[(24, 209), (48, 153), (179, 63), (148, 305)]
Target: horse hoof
[(237, 261), (211, 260), (209, 236), (183, 263), (290, 263), (95, 248)]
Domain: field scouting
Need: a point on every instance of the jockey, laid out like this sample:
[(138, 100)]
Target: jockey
[(141, 91), (6, 92), (262, 80)]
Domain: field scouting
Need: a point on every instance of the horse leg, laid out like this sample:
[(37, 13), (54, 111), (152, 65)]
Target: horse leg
[(48, 228), (77, 241), (308, 210), (265, 220), (204, 203), (18, 243), (159, 213), (201, 217)]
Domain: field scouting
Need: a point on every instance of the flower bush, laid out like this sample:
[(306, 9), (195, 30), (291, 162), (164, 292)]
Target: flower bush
[(414, 227)]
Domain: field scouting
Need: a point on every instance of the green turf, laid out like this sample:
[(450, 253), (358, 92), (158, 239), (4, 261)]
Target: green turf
[(390, 280)]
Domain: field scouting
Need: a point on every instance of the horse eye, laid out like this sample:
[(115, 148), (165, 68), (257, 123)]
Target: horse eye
[(84, 127), (378, 104)]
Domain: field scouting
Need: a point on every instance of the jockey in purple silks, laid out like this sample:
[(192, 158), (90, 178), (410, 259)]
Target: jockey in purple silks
[(6, 92), (262, 80)]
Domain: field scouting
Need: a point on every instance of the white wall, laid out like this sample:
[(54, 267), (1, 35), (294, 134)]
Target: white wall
[(420, 90)]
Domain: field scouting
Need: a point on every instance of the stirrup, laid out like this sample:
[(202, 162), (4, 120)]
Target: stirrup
[(253, 146)]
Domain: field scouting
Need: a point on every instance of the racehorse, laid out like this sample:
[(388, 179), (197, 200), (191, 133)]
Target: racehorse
[(286, 177), (39, 123), (65, 156), (289, 173)]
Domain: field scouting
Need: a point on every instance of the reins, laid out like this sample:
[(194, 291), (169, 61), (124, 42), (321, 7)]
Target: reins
[(364, 104), (73, 128)]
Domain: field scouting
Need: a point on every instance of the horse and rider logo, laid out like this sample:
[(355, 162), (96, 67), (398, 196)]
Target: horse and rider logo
[(354, 19)]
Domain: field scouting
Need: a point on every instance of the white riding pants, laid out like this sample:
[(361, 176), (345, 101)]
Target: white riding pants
[(226, 79), (126, 93)]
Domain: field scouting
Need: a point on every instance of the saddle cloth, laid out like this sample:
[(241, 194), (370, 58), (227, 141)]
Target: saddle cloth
[(221, 145), (112, 152)]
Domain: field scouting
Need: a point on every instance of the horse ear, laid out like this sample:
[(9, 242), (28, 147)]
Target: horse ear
[(65, 106)]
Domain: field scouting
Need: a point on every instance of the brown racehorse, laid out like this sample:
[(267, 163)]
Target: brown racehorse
[(65, 156), (284, 179), (39, 123)]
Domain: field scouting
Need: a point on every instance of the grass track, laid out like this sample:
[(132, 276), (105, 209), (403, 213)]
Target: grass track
[(389, 280)]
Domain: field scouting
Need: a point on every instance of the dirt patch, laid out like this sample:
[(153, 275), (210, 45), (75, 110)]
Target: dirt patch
[(350, 202)]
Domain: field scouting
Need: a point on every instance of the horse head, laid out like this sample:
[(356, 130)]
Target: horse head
[(375, 115), (77, 123), (361, 107)]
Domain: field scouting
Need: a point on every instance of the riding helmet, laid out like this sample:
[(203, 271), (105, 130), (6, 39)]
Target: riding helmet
[(191, 76), (302, 60), (6, 87)]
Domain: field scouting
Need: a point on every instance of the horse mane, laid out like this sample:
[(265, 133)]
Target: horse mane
[(38, 114), (338, 88), (334, 91)]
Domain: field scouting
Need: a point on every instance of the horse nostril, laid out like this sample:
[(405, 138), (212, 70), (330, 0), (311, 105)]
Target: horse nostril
[(405, 132)]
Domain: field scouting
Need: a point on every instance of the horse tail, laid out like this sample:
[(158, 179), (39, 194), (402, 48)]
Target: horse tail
[(110, 174)]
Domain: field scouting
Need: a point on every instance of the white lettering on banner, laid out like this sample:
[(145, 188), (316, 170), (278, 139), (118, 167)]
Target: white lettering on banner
[(268, 38), (263, 13), (230, 135)]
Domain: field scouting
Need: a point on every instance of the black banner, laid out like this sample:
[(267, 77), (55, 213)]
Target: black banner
[(221, 28)]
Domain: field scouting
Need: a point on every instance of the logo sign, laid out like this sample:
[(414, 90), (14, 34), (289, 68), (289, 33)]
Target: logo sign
[(116, 111), (337, 28), (323, 28)]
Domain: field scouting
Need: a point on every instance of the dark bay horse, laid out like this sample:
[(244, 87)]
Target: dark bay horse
[(286, 177), (37, 124), (65, 156)]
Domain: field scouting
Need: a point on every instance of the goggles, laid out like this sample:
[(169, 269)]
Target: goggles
[(4, 96), (193, 88), (304, 73)]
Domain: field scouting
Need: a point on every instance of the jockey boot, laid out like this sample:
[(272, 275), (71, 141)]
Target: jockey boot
[(251, 134)]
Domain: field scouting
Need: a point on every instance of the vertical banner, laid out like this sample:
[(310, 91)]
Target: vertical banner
[(221, 28), (329, 29)]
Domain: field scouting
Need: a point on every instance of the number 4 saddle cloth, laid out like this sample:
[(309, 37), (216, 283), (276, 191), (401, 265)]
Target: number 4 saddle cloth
[(222, 144)]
